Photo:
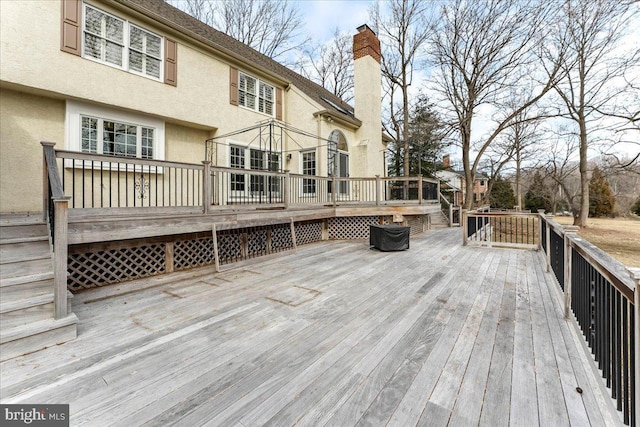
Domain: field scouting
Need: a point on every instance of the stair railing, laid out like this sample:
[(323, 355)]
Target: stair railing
[(56, 213)]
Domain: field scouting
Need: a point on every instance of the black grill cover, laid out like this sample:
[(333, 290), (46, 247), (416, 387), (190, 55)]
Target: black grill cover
[(389, 237)]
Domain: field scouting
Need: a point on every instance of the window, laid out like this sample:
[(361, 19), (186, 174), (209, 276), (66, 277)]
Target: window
[(237, 161), (254, 159), (309, 168), (93, 129), (254, 94), (144, 52), (119, 43)]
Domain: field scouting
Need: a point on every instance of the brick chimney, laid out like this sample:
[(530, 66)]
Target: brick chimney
[(367, 99), (446, 162), (366, 42)]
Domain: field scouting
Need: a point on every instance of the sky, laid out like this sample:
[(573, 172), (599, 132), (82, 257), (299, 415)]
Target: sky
[(323, 16)]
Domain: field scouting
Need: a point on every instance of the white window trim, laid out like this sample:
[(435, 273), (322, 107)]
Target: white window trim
[(73, 122), (257, 95), (125, 44)]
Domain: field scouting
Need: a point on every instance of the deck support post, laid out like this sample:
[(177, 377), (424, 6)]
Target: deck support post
[(216, 257), (463, 226), (60, 251), (569, 232), (635, 275), (420, 189), (206, 187), (377, 190)]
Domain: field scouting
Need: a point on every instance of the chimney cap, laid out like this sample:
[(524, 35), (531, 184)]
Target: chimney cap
[(365, 27)]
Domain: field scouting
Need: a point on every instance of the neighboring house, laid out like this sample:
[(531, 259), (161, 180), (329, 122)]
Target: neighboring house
[(141, 78), (454, 184)]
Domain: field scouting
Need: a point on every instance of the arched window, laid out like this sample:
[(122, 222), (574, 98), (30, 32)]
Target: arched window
[(337, 155)]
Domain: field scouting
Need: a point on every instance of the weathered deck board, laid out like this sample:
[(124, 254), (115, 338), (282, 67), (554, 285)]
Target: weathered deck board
[(332, 334)]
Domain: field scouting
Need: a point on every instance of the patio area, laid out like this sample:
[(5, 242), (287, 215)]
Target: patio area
[(331, 334)]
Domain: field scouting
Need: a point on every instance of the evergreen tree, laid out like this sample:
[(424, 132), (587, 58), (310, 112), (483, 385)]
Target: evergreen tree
[(538, 197), (636, 207), (601, 199), (502, 195)]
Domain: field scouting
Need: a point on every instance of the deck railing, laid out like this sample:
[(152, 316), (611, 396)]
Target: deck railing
[(601, 294), (56, 211), (501, 229), (101, 182), (95, 181)]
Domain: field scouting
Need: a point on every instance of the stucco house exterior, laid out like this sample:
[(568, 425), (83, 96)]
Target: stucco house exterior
[(96, 67), (135, 140)]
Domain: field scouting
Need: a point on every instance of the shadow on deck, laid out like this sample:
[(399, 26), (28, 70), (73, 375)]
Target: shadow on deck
[(333, 334)]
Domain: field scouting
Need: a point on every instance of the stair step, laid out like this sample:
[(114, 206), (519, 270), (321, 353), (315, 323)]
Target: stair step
[(26, 218), (36, 336), (26, 271), (24, 232), (18, 252), (25, 290), (28, 310)]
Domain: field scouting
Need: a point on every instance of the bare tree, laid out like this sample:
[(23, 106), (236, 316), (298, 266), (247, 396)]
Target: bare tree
[(403, 29), (593, 68), (271, 27), (486, 53), (330, 65)]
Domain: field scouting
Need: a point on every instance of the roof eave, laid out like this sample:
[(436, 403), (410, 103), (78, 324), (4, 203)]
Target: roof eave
[(350, 122)]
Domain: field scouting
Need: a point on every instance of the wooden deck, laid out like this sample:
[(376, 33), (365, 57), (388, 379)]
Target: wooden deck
[(333, 334)]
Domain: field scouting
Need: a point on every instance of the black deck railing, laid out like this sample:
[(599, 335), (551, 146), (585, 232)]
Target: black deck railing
[(601, 294), (94, 181), (505, 229)]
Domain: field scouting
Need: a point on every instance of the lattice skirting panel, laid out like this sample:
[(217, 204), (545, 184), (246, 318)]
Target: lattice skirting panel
[(91, 269), (193, 253), (308, 232), (351, 227), (418, 223)]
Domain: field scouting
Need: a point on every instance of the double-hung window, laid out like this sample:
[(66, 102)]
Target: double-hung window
[(255, 94), (308, 168), (119, 43)]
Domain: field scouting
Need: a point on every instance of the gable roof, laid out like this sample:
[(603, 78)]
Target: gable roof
[(163, 12)]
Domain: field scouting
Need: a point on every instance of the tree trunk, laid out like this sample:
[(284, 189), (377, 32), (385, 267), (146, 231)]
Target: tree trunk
[(581, 220)]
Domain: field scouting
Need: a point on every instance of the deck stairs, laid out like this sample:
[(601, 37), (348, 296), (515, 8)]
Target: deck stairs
[(27, 322), (439, 220)]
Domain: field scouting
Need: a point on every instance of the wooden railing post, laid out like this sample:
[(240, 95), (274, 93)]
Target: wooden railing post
[(635, 275), (206, 187), (285, 188), (540, 216), (569, 232), (377, 190), (420, 189), (333, 191), (45, 180), (548, 239), (450, 215), (60, 250), (463, 226)]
